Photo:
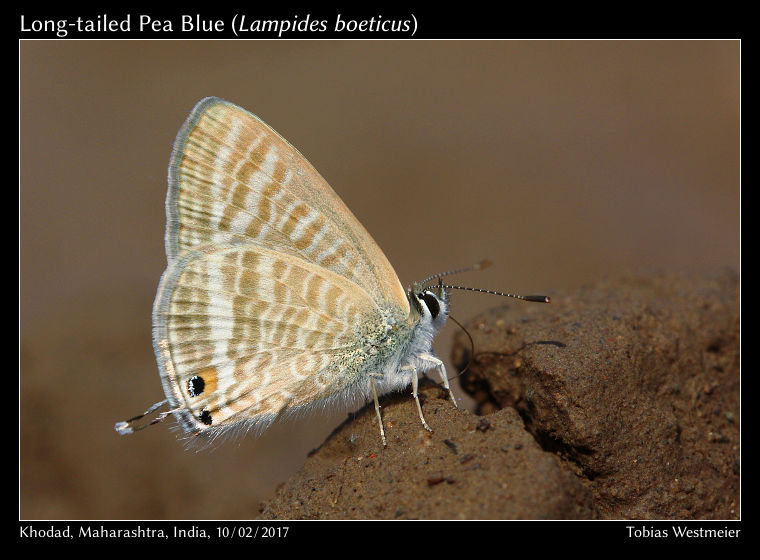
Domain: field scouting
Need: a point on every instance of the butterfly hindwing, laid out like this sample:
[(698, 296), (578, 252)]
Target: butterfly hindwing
[(243, 332)]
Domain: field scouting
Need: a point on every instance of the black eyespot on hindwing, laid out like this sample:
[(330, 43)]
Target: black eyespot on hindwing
[(205, 417), (195, 385)]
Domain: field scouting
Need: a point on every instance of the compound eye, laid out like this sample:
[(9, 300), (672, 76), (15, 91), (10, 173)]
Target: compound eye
[(432, 304)]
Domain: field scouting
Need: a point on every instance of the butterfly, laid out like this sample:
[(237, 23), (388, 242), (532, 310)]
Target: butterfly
[(275, 299)]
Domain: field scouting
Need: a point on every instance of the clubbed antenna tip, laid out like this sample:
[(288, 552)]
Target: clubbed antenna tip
[(538, 299)]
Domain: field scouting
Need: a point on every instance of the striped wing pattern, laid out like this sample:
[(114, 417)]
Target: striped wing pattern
[(233, 177), (269, 275)]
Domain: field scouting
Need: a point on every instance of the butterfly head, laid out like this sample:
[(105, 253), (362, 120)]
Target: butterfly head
[(430, 302)]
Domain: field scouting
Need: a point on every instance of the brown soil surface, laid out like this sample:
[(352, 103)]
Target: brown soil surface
[(468, 468)]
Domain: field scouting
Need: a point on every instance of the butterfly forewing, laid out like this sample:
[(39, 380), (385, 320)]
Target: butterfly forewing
[(269, 275), (233, 177)]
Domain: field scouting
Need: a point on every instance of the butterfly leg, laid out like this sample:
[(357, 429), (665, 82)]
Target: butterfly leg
[(415, 385), (377, 406), (442, 371)]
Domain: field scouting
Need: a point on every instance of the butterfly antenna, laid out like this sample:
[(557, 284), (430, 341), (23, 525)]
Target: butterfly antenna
[(485, 263), (538, 299)]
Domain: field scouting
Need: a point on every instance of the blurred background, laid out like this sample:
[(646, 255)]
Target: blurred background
[(563, 162)]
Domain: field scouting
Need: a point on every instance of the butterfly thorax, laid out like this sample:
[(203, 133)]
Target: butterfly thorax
[(405, 347)]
